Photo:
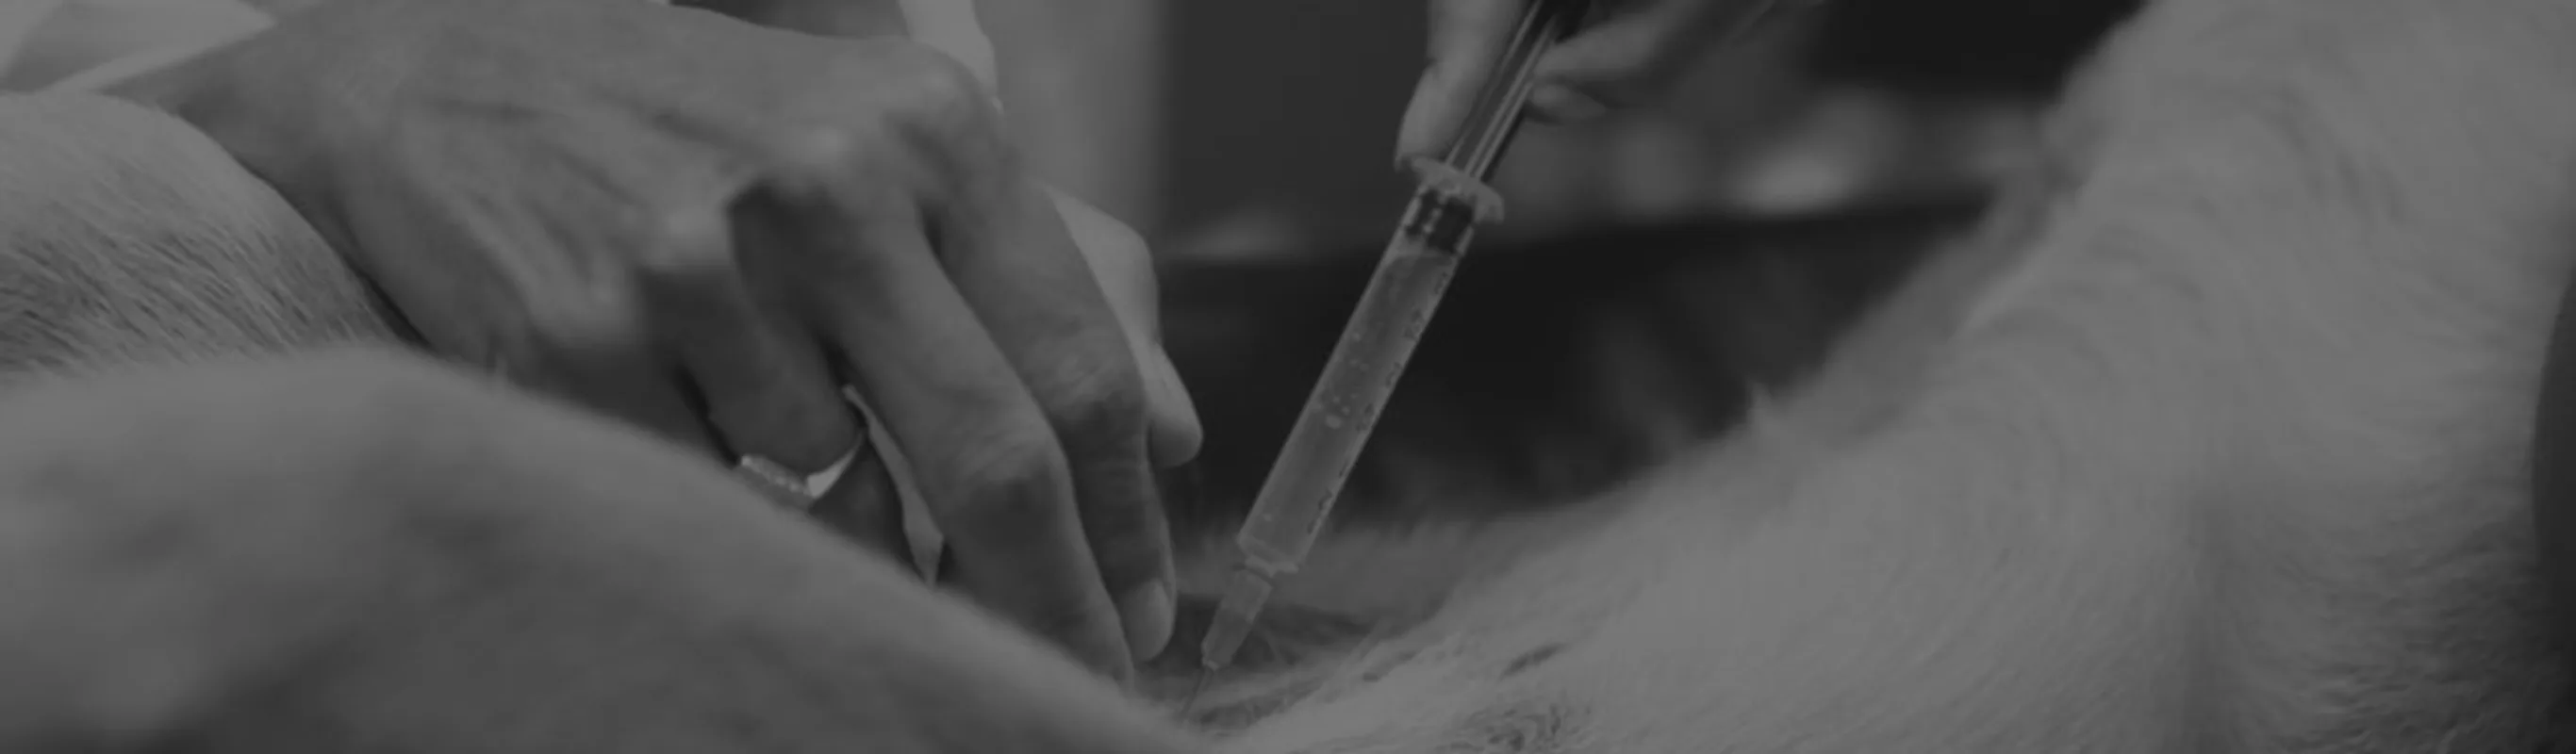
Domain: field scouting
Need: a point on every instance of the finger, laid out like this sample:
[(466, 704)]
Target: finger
[(1466, 37), (1125, 270), (1013, 258), (923, 542), (1174, 435), (982, 450), (950, 26), (587, 346), (1564, 104), (858, 19), (863, 507), (1633, 56), (867, 503), (763, 382)]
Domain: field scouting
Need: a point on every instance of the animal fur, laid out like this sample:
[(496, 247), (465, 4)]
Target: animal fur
[(2211, 442), (2213, 445)]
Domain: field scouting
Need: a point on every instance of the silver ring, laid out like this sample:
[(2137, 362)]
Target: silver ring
[(799, 491)]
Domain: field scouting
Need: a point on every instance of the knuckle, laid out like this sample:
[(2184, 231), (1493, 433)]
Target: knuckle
[(686, 247), (592, 317), (912, 81), (1099, 395), (937, 98), (936, 84), (822, 152), (1133, 552), (926, 120), (1015, 480), (853, 165)]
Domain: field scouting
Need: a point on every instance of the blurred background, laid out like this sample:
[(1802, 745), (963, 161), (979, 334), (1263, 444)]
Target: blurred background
[(1259, 127)]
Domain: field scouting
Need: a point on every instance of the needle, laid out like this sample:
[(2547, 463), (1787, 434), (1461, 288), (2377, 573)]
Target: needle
[(1450, 199), (1192, 702)]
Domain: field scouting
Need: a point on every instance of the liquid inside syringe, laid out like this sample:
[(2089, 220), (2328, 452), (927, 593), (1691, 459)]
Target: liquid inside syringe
[(1297, 498)]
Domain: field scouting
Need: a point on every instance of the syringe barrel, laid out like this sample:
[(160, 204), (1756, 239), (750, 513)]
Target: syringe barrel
[(1296, 499)]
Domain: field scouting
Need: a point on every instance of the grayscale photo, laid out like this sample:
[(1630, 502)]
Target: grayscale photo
[(1288, 376)]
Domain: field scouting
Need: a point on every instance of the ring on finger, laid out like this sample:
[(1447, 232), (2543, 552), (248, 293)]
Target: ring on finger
[(800, 491)]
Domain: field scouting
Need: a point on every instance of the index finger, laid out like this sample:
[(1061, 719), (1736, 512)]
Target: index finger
[(1125, 269), (1009, 253)]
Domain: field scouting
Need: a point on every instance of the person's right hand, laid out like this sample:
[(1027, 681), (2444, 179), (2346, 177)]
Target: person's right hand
[(706, 228), (1627, 56)]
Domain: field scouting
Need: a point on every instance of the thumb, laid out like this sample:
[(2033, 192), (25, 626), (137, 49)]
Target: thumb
[(1466, 36)]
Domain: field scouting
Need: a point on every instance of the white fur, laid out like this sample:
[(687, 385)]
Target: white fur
[(2228, 460)]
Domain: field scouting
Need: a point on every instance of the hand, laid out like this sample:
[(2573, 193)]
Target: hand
[(705, 227), (1628, 56)]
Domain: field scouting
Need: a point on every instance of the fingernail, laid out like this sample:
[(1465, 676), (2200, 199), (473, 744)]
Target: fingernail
[(1417, 125), (1147, 613), (1405, 148)]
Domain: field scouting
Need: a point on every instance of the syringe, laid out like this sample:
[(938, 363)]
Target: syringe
[(1449, 200)]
